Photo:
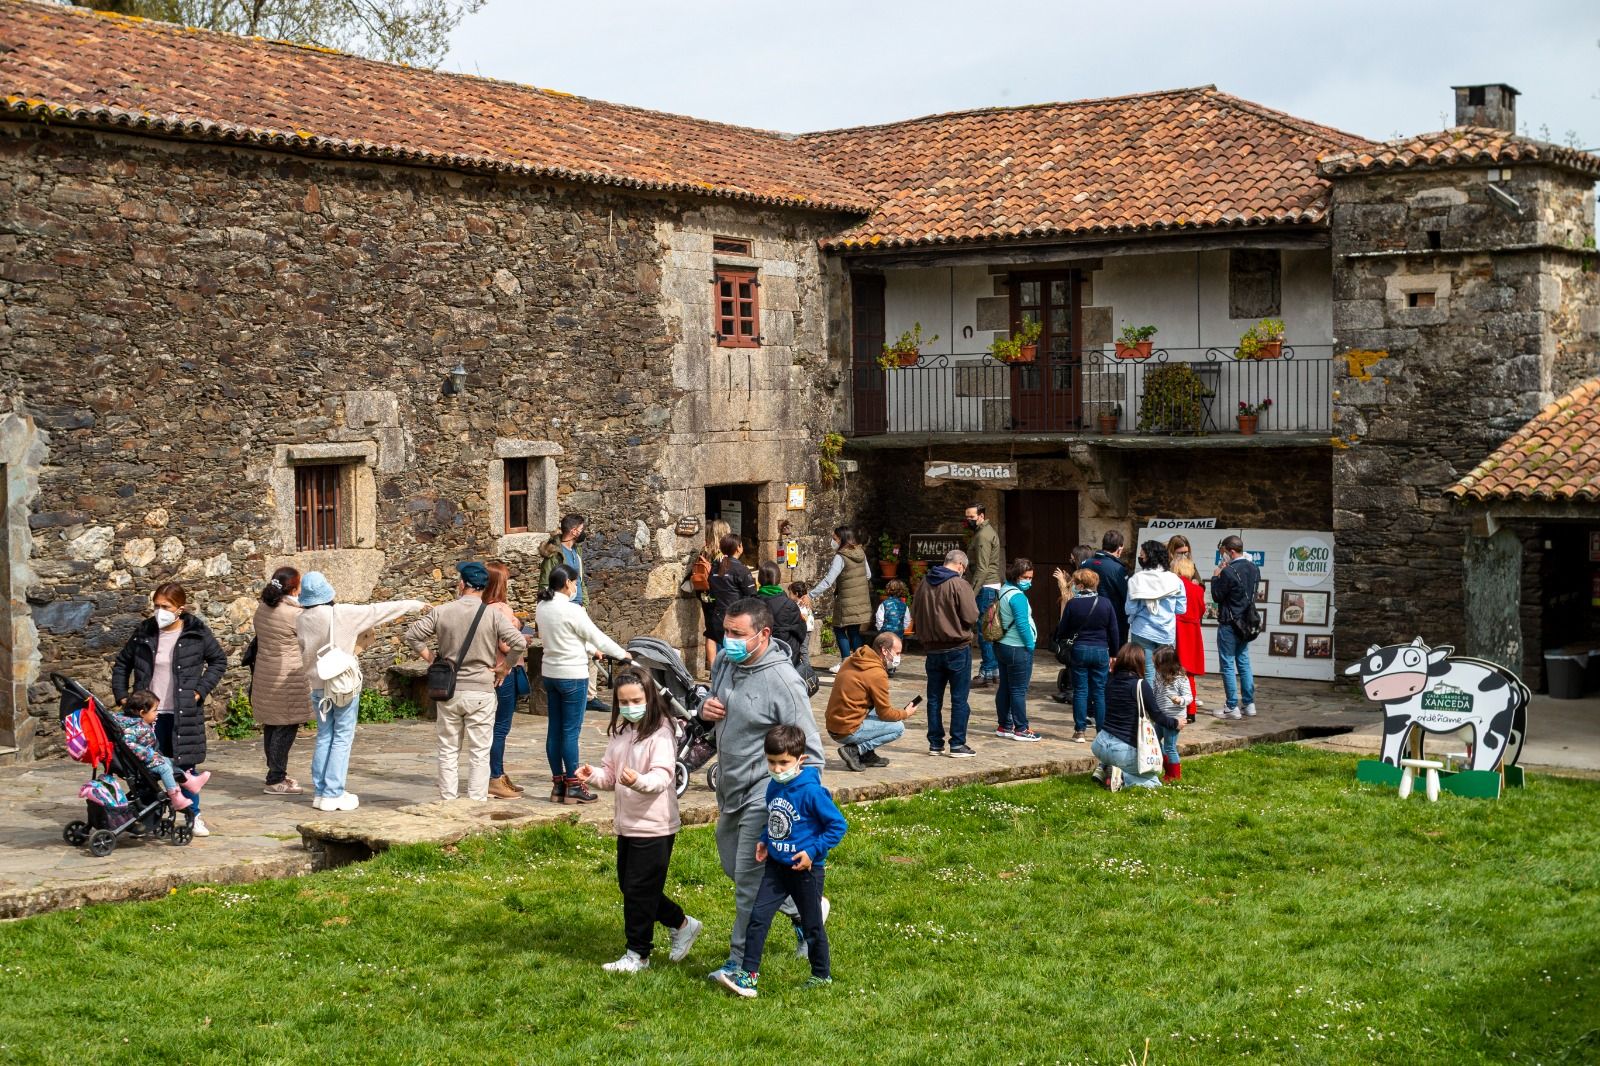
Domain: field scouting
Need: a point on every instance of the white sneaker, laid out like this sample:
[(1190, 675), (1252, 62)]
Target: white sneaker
[(1115, 783), (1249, 710), (629, 963), (834, 669), (347, 802), (316, 804), (1221, 713), (1233, 714), (683, 938), (199, 828)]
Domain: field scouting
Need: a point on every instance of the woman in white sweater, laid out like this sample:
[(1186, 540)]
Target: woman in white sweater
[(569, 638), (342, 625)]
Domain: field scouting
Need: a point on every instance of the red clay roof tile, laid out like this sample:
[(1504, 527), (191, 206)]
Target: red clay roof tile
[(1457, 147), (1556, 456)]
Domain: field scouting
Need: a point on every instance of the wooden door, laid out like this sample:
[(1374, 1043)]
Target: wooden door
[(869, 392), (1046, 395), (1042, 525)]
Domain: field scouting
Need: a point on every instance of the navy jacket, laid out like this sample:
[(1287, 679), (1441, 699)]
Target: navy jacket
[(801, 816), (1122, 707), (1094, 619), (1234, 588), (1113, 583)]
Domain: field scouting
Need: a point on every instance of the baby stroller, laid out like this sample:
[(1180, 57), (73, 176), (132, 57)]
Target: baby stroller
[(696, 740), (139, 809)]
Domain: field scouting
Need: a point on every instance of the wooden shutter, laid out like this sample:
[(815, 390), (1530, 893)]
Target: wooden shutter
[(736, 308), (316, 507), (516, 495)]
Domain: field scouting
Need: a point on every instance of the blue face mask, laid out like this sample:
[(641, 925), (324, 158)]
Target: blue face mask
[(785, 776), (1025, 585), (737, 649)]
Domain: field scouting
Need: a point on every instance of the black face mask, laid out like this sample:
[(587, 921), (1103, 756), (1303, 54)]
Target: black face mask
[(579, 539), (972, 523)]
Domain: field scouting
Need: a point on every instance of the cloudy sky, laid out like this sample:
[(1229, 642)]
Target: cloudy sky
[(1374, 68)]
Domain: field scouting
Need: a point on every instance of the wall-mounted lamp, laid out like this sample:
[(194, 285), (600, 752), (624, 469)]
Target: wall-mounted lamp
[(456, 383)]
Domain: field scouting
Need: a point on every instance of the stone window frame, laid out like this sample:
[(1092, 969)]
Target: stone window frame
[(543, 514), (1399, 288), (358, 492)]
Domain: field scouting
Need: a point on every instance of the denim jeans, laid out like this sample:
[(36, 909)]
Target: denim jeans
[(330, 761), (566, 698), (1169, 741), (1091, 666), (505, 710), (1232, 650), (164, 726), (873, 733), (780, 882), (1150, 647), (990, 667), (953, 667), (848, 639), (1113, 752), (1011, 697)]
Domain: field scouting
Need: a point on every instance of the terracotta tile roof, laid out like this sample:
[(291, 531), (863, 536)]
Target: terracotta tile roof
[(1555, 458), (1458, 147), (70, 65), (1169, 161)]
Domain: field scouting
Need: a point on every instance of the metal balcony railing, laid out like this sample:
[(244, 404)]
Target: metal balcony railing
[(1175, 391)]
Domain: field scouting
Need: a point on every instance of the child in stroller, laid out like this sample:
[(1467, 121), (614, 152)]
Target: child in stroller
[(139, 731), (695, 740), (94, 738)]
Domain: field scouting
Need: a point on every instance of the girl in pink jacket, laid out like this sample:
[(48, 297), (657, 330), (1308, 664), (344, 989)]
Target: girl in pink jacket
[(639, 764)]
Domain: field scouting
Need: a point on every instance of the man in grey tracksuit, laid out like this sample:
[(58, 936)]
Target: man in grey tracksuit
[(754, 687)]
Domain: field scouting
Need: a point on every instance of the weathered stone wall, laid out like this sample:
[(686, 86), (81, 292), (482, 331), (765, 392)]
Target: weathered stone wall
[(181, 318), (1261, 488), (1423, 393)]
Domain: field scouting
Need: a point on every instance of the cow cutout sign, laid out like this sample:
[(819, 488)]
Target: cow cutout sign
[(1427, 689)]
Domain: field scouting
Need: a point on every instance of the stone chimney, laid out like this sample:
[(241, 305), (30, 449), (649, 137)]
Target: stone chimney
[(1490, 106)]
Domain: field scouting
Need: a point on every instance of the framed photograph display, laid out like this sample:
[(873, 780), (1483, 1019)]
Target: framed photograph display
[(1319, 646), (1262, 591), (1283, 645), (1303, 608)]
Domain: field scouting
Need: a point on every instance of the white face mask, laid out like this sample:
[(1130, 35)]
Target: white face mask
[(164, 618), (631, 712)]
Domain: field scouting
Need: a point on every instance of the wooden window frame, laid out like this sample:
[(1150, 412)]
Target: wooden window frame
[(732, 245), (319, 507), (738, 338), (521, 463)]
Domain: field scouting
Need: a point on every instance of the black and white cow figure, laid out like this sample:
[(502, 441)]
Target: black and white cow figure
[(1425, 687)]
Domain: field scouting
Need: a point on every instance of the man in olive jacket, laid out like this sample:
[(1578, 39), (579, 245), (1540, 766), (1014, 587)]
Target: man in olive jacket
[(985, 575), (943, 613)]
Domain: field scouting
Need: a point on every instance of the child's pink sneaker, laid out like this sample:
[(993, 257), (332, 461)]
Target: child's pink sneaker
[(180, 802), (195, 782)]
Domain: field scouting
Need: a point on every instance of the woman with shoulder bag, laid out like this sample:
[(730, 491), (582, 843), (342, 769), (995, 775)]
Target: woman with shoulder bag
[(1088, 631), (280, 699), (331, 636), (175, 655), (1014, 652), (507, 692), (1124, 747)]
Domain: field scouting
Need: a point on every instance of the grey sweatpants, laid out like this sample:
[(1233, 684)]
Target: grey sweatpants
[(738, 833)]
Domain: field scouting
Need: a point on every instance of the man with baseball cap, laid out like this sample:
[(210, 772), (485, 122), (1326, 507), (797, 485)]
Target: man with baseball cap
[(470, 636)]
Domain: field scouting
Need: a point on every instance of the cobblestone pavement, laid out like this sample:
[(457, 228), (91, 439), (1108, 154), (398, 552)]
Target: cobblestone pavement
[(256, 836)]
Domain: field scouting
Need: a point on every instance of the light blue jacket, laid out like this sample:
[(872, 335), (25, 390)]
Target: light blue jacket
[(1017, 617), (1155, 599)]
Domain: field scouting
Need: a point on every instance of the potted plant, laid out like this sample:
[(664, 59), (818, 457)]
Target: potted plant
[(906, 350), (1250, 416), (1264, 340), (1110, 420), (1020, 346), (888, 556), (1173, 400), (1135, 342)]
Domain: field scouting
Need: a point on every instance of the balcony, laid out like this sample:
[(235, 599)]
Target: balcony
[(1176, 394)]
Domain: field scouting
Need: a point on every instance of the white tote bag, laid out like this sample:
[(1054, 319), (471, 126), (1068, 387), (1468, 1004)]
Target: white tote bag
[(1148, 757)]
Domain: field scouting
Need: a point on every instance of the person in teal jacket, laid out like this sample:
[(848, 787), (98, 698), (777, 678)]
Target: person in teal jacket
[(1014, 652)]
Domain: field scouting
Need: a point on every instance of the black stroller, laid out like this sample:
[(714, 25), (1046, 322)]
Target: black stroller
[(144, 809), (696, 740)]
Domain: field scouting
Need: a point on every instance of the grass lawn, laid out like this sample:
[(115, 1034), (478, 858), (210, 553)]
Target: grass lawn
[(1269, 908)]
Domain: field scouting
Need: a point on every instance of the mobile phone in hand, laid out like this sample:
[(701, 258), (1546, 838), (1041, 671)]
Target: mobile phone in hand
[(916, 701)]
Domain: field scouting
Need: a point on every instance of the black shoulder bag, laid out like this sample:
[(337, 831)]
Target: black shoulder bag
[(442, 671), (1063, 646)]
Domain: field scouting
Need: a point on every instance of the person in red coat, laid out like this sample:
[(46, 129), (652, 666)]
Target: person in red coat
[(1191, 648)]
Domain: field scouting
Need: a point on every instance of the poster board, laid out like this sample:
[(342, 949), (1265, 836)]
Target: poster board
[(1297, 583)]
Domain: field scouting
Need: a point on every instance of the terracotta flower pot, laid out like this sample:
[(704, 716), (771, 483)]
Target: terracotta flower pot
[(1270, 350), (1027, 354), (1134, 351), (909, 358), (1247, 425), (1108, 424), (890, 568)]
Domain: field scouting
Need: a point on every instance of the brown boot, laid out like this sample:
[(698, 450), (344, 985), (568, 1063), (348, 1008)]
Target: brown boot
[(577, 793), (558, 790), (512, 785), (499, 788)]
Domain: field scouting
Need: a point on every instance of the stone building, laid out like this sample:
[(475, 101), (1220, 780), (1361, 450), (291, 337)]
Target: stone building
[(266, 303)]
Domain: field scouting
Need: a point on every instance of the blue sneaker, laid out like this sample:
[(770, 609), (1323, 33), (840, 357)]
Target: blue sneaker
[(727, 967), (738, 982), (818, 982)]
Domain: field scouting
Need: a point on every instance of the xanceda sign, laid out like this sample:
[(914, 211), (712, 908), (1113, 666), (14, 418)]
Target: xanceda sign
[(1002, 474)]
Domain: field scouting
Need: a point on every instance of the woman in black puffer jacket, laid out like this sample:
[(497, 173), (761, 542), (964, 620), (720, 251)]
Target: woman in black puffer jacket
[(176, 656), (1116, 745)]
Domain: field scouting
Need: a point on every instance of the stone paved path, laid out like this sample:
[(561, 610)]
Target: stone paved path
[(256, 836)]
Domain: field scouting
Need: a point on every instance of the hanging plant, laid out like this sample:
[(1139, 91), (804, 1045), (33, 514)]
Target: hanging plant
[(1020, 345), (906, 350), (1135, 342), (1264, 340)]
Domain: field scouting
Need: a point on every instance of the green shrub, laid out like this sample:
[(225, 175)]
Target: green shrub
[(380, 707), (238, 722)]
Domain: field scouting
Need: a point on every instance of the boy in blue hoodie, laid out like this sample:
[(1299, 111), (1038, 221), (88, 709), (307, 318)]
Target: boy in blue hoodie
[(803, 825)]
